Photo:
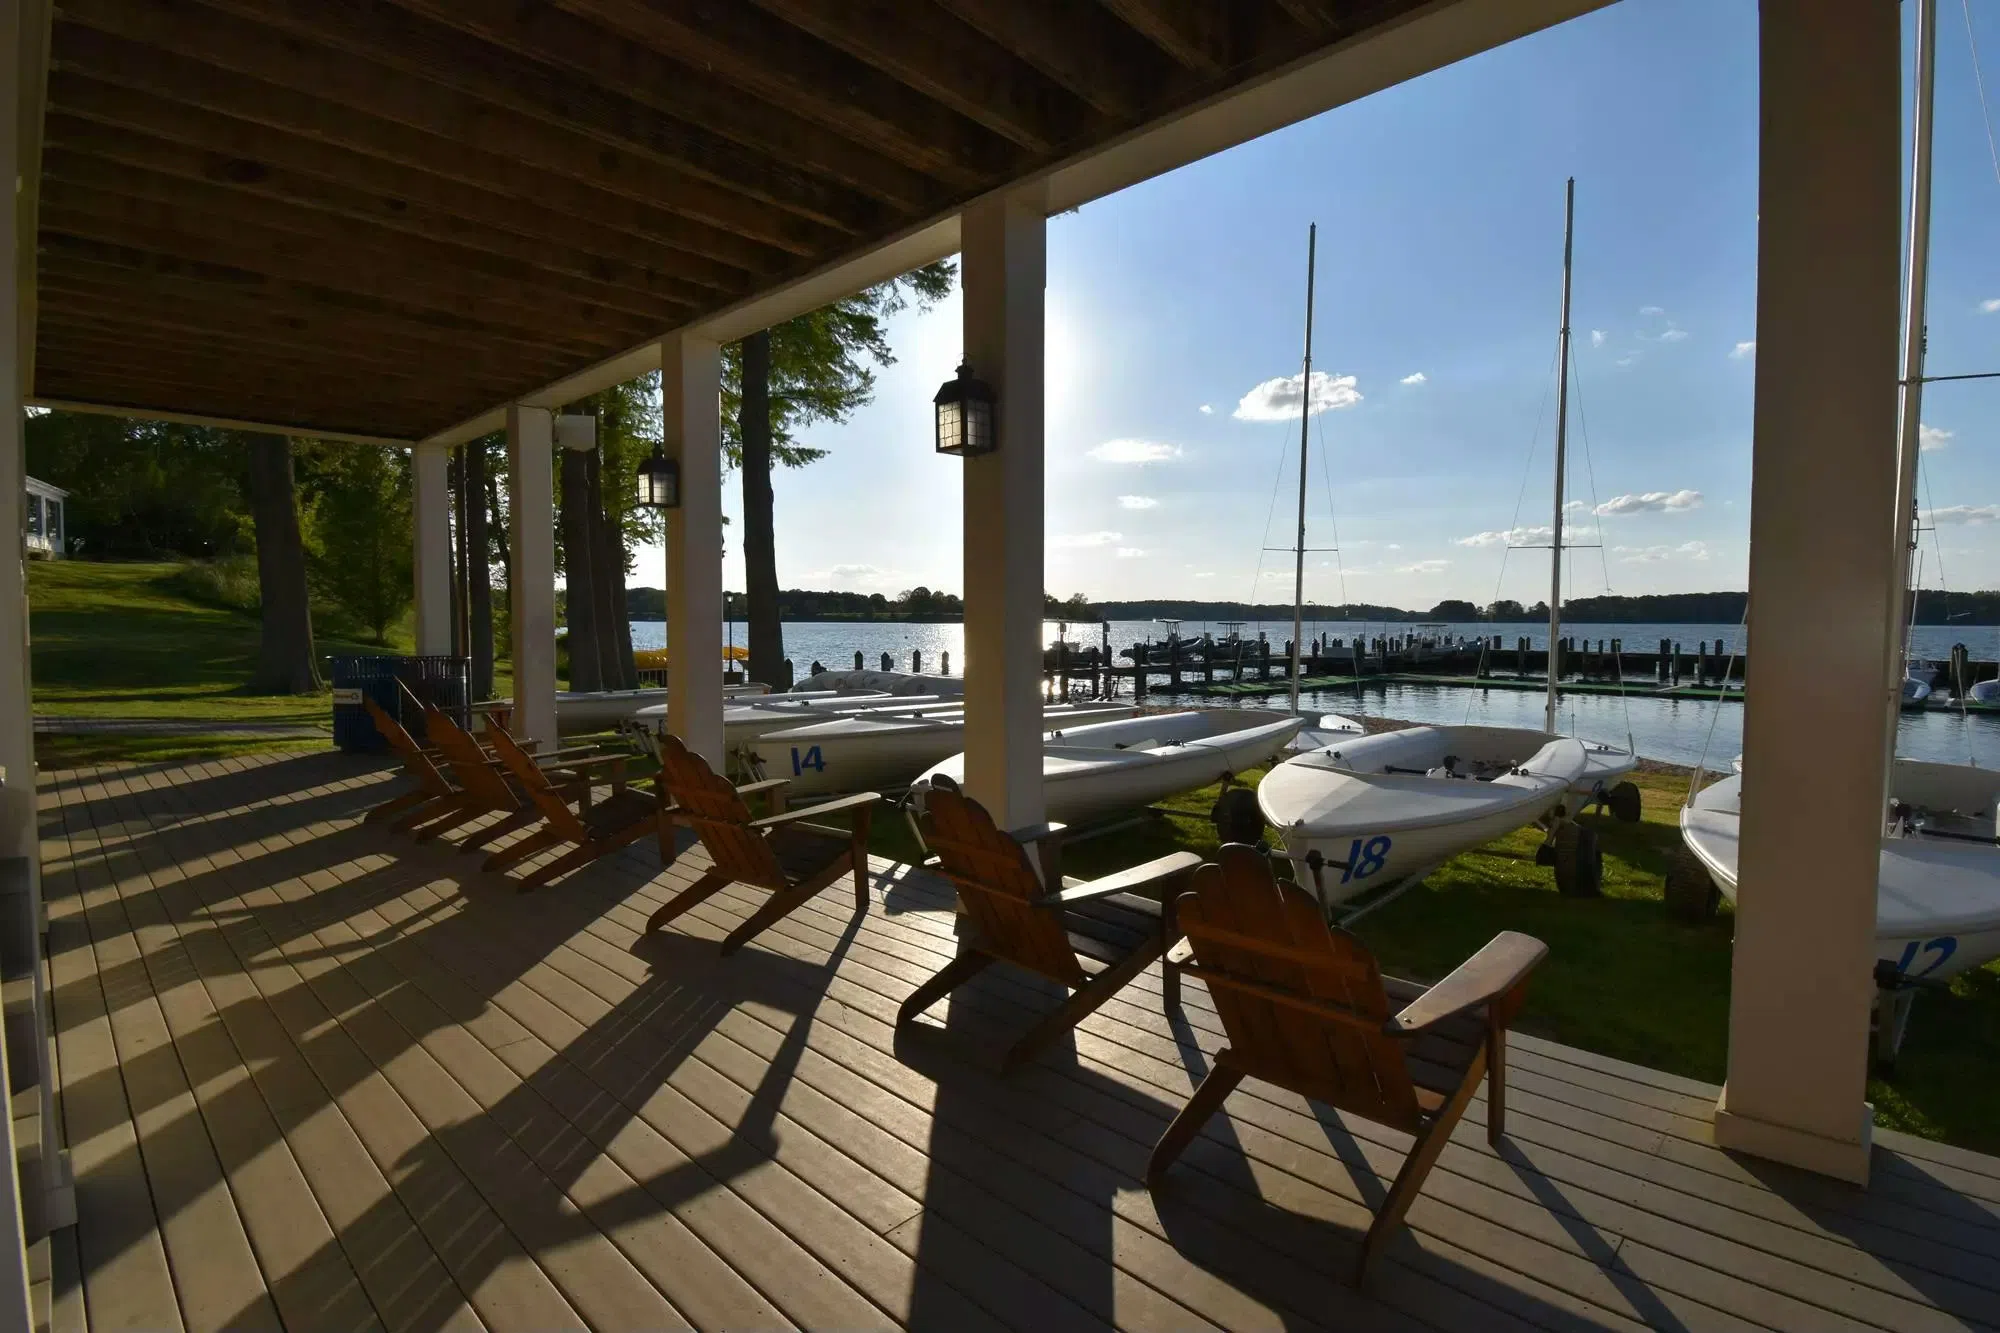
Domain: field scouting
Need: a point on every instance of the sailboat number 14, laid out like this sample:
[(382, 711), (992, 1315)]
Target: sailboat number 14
[(1364, 860)]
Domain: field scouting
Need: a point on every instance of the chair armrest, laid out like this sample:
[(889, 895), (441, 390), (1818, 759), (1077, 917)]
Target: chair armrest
[(571, 754), (1036, 832), (762, 785), (1498, 968), (594, 761), (859, 801), (1171, 866)]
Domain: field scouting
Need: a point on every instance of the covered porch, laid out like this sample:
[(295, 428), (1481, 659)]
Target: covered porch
[(315, 1076)]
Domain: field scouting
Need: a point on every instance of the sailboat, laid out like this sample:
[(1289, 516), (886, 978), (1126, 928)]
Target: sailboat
[(1387, 809), (1938, 901)]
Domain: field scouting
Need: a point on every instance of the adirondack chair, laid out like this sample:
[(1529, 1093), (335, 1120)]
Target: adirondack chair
[(595, 831), (781, 853), (431, 796), (485, 787), (1091, 937), (1305, 1007)]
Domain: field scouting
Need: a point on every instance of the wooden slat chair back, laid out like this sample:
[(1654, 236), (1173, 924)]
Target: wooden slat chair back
[(595, 830), (1007, 914), (471, 765), (432, 792), (999, 892), (708, 803), (780, 853), (534, 784), (1304, 1006)]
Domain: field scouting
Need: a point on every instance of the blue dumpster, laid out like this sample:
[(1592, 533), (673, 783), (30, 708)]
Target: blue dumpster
[(441, 682)]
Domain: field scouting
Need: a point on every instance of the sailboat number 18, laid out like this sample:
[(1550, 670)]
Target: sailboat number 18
[(1364, 860)]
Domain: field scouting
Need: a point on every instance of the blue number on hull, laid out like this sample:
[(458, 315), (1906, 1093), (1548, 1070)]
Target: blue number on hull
[(1365, 860), (811, 760), (1944, 946)]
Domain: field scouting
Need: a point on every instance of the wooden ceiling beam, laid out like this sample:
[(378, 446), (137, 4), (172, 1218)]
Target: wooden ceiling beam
[(688, 93), (1078, 46), (120, 123), (925, 48), (285, 416), (223, 386), (173, 232), (1318, 16), (346, 86), (779, 64), (449, 58), (661, 302), (1195, 33)]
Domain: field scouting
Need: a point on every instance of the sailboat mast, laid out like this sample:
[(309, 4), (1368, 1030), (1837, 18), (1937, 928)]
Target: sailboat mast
[(1305, 417), (1562, 450), (1909, 425)]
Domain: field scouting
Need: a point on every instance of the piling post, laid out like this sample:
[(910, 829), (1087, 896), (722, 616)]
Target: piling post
[(944, 663), (1062, 666), (916, 661), (1207, 660), (858, 659), (888, 662), (1263, 657), (1139, 672), (1958, 671)]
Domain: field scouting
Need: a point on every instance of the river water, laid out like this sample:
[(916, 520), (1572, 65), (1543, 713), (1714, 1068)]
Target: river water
[(1676, 730)]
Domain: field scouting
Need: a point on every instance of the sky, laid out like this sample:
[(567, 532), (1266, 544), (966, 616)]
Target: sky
[(1175, 319)]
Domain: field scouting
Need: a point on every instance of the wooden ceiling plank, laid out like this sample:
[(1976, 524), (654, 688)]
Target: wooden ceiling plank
[(686, 92), (171, 231), (1194, 32), (237, 391), (1319, 16), (785, 67), (349, 85), (408, 243), (116, 256), (113, 121), (416, 46), (1079, 46), (925, 48), (338, 423)]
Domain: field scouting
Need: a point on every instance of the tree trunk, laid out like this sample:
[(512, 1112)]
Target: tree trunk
[(584, 671), (760, 556), (455, 491), (614, 632), (285, 660), (479, 618)]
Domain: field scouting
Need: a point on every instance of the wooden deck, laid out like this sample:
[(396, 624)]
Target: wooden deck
[(314, 1076)]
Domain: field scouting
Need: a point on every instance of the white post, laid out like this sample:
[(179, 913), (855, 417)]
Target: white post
[(531, 592), (431, 529), (691, 417), (1823, 539), (1005, 252)]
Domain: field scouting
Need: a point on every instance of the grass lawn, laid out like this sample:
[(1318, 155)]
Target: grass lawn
[(1622, 978)]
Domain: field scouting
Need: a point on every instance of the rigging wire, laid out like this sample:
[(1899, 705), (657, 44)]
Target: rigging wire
[(1603, 556), (1521, 497), (1979, 81)]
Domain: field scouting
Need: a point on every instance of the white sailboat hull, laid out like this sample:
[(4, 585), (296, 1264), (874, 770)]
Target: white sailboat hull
[(873, 753), (1102, 768), (1937, 910), (1379, 808)]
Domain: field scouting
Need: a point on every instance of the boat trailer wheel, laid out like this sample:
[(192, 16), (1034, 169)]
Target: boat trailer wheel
[(1578, 860), (1623, 802), (1236, 815), (1690, 893)]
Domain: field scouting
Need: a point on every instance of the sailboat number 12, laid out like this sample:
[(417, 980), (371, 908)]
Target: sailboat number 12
[(1364, 860)]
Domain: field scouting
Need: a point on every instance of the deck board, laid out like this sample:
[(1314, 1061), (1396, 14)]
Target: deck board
[(314, 1075)]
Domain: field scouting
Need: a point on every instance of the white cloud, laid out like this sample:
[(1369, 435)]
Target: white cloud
[(1673, 335), (1987, 307), (1416, 377), (1208, 409), (1651, 310), (1077, 539), (1953, 515), (1129, 553), (1652, 502), (1426, 567), (1653, 555), (1932, 438), (1136, 502), (1539, 535), (850, 575), (1205, 574), (1599, 337), (1627, 360), (1134, 451), (856, 571), (1278, 399), (1744, 350)]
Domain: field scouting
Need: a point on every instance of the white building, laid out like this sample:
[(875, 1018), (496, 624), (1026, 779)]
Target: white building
[(46, 533)]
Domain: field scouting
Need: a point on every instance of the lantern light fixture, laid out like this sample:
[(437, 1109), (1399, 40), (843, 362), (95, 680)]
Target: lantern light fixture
[(660, 481), (965, 411)]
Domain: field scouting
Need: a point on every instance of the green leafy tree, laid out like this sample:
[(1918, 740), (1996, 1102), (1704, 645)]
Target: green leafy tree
[(818, 367), (143, 489), (362, 525)]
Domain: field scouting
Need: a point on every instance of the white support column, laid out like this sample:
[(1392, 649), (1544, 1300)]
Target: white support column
[(531, 595), (431, 529), (1005, 258), (691, 417), (1823, 533)]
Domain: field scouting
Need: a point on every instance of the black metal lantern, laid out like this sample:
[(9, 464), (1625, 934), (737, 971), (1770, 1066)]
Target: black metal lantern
[(660, 482), (965, 416)]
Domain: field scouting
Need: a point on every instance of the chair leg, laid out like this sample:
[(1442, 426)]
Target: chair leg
[(1207, 1100), (538, 841), (1496, 1083), (394, 806), (693, 895), (1423, 1156), (1170, 974), (780, 904), (1081, 1005), (969, 964)]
